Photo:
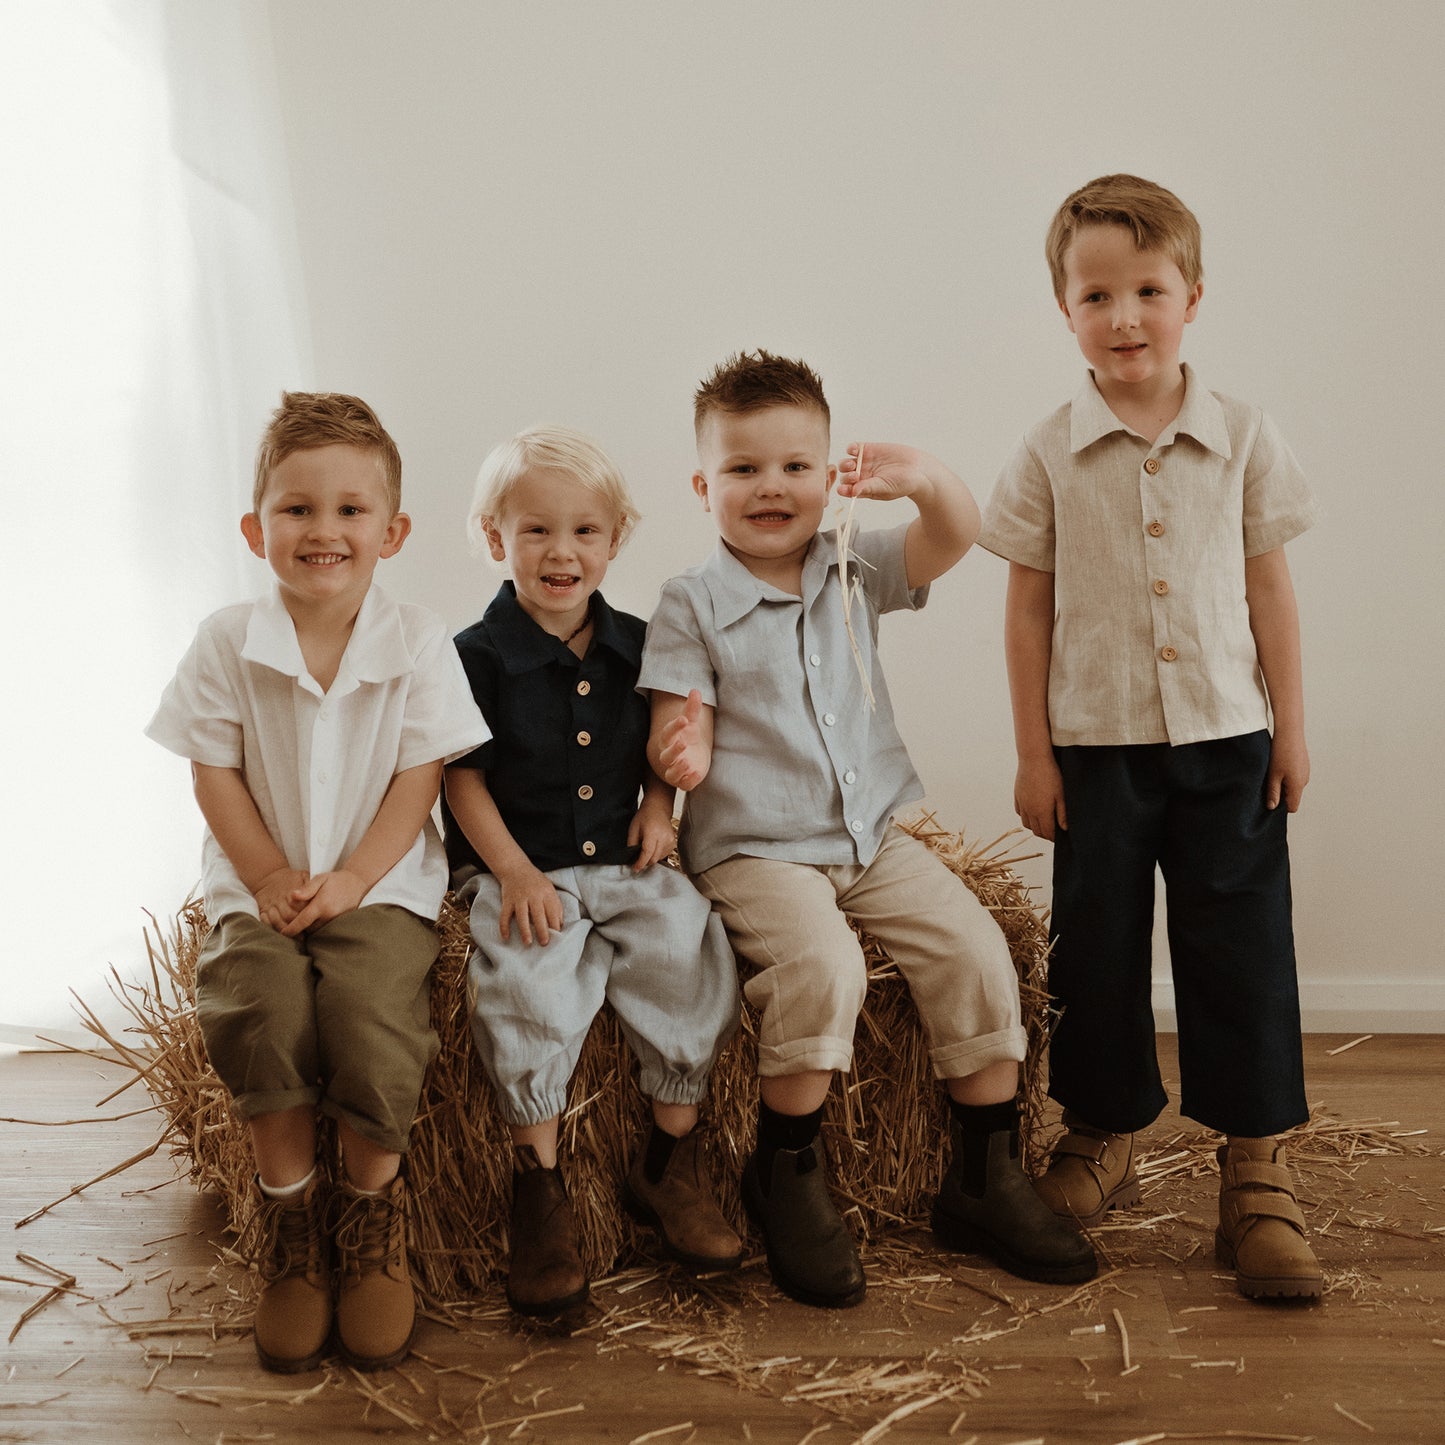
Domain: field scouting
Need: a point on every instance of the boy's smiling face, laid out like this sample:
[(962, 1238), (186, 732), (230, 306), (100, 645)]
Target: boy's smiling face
[(765, 477), (323, 524), (558, 536), (1128, 308)]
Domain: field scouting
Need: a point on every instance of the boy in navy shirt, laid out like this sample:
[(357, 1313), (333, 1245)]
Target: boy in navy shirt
[(555, 854)]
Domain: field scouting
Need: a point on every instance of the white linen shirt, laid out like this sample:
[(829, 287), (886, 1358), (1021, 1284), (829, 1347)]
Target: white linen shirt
[(1147, 544), (802, 769), (318, 763)]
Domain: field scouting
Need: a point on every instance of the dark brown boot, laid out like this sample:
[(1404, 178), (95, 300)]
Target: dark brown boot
[(287, 1238), (680, 1205), (375, 1305), (544, 1273)]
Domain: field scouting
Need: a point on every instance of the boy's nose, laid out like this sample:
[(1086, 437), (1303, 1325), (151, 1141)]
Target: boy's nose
[(1126, 317)]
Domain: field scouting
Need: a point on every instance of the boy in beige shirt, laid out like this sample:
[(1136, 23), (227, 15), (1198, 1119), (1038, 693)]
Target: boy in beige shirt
[(1151, 635)]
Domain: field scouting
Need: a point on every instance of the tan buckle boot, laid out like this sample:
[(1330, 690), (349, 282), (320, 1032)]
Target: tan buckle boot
[(1090, 1172), (1261, 1234), (544, 1271), (681, 1207), (287, 1238), (375, 1304)]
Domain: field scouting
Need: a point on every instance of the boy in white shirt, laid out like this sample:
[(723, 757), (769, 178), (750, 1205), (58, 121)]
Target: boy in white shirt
[(317, 720)]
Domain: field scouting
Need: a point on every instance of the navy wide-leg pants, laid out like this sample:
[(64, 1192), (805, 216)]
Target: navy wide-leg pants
[(1197, 811)]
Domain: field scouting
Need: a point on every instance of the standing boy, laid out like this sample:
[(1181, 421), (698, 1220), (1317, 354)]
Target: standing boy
[(793, 778), (556, 830), (317, 720), (1151, 633)]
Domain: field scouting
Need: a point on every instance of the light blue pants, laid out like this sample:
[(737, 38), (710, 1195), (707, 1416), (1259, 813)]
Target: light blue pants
[(647, 943)]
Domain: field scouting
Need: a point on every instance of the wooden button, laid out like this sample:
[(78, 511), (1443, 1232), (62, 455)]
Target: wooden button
[(1168, 653), (589, 847), (1161, 587), (584, 738), (583, 688), (1151, 465), (585, 791), (1155, 529)]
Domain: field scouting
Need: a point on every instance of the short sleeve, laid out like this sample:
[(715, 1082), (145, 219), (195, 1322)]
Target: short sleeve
[(883, 568), (1278, 503), (482, 670), (1018, 522), (442, 721), (199, 715), (675, 656)]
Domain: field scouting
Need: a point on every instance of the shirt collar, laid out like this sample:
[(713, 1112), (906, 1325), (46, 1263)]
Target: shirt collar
[(375, 652), (1200, 416), (735, 591), (523, 644)]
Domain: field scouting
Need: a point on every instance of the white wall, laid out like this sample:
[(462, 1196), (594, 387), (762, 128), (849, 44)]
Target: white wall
[(568, 212)]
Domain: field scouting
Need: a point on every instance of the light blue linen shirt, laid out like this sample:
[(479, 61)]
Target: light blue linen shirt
[(802, 769)]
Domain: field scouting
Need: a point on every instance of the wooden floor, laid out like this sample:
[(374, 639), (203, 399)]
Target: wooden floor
[(149, 1343)]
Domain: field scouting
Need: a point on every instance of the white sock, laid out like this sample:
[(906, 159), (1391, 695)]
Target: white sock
[(286, 1191)]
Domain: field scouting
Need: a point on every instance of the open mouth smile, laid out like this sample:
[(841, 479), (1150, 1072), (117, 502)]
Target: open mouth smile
[(324, 559)]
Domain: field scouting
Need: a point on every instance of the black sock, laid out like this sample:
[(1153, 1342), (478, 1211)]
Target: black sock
[(660, 1145), (976, 1124), (783, 1131), (985, 1118)]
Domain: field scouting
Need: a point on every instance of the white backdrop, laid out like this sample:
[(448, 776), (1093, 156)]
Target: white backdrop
[(515, 213)]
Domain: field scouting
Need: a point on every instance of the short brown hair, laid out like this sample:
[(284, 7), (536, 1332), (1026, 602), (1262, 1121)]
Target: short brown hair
[(322, 419), (754, 380), (1158, 220)]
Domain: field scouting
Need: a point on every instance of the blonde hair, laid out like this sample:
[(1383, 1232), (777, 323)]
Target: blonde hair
[(552, 449), (1157, 219), (308, 419)]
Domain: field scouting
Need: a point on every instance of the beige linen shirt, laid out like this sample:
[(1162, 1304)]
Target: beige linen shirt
[(1147, 545)]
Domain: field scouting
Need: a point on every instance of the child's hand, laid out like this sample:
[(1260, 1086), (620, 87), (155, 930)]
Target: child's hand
[(683, 756), (1289, 772), (650, 832), (274, 897), (1039, 798), (322, 898), (883, 471), (529, 898)]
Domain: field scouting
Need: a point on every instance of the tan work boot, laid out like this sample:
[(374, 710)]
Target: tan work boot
[(287, 1238), (1090, 1172), (375, 1303), (544, 1272), (1261, 1234), (681, 1207)]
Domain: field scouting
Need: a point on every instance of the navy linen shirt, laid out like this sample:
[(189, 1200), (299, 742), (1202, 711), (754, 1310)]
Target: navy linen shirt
[(568, 752)]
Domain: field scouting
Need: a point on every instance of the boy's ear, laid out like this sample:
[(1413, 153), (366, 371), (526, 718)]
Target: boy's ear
[(255, 537), (397, 531), (1192, 309), (699, 485), (1064, 307), (495, 545), (832, 477)]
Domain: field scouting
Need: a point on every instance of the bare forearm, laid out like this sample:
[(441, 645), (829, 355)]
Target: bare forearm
[(235, 822), (477, 815), (947, 525), (1274, 621), (1028, 647), (401, 817)]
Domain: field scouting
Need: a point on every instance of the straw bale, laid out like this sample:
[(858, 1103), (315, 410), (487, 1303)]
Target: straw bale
[(884, 1126)]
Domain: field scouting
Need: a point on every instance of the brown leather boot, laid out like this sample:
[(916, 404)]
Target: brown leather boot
[(1090, 1172), (681, 1207), (544, 1273), (375, 1305), (287, 1237), (1261, 1234)]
